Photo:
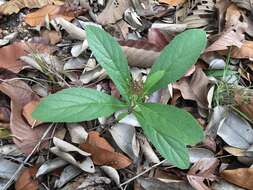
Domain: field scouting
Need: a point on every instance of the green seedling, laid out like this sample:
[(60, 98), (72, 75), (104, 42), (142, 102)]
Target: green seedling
[(170, 129)]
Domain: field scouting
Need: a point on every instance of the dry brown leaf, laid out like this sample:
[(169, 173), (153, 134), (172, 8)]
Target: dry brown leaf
[(113, 11), (173, 2), (244, 100), (53, 37), (11, 53), (20, 94), (242, 177), (102, 153), (202, 170), (245, 52), (195, 88), (4, 114), (140, 53), (14, 6), (158, 38), (27, 181), (27, 113), (227, 39), (37, 18)]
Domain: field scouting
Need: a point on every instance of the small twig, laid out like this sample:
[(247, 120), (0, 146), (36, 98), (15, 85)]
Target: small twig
[(9, 183), (142, 173)]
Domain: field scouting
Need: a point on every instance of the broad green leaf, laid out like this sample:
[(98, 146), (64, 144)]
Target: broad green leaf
[(172, 121), (177, 57), (169, 147), (152, 80), (110, 56), (75, 105)]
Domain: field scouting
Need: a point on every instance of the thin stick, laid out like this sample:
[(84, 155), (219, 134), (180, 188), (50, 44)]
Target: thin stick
[(142, 173), (9, 183)]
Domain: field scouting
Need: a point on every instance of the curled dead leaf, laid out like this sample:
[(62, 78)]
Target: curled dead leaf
[(102, 153)]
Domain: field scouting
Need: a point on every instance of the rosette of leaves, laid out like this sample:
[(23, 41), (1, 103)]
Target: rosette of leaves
[(170, 129)]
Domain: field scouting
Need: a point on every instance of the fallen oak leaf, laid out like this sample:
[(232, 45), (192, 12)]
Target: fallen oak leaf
[(242, 177), (37, 18), (26, 180), (102, 153)]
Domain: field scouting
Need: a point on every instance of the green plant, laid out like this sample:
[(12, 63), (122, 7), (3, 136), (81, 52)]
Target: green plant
[(169, 129)]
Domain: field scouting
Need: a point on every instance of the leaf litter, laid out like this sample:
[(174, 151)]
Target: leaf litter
[(43, 49)]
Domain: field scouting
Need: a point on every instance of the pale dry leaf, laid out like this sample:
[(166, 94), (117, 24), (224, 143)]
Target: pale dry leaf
[(50, 166), (125, 137), (85, 163), (243, 177), (69, 173), (112, 173), (74, 31), (67, 147), (7, 168), (113, 11), (236, 131), (147, 150), (223, 185), (77, 133)]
